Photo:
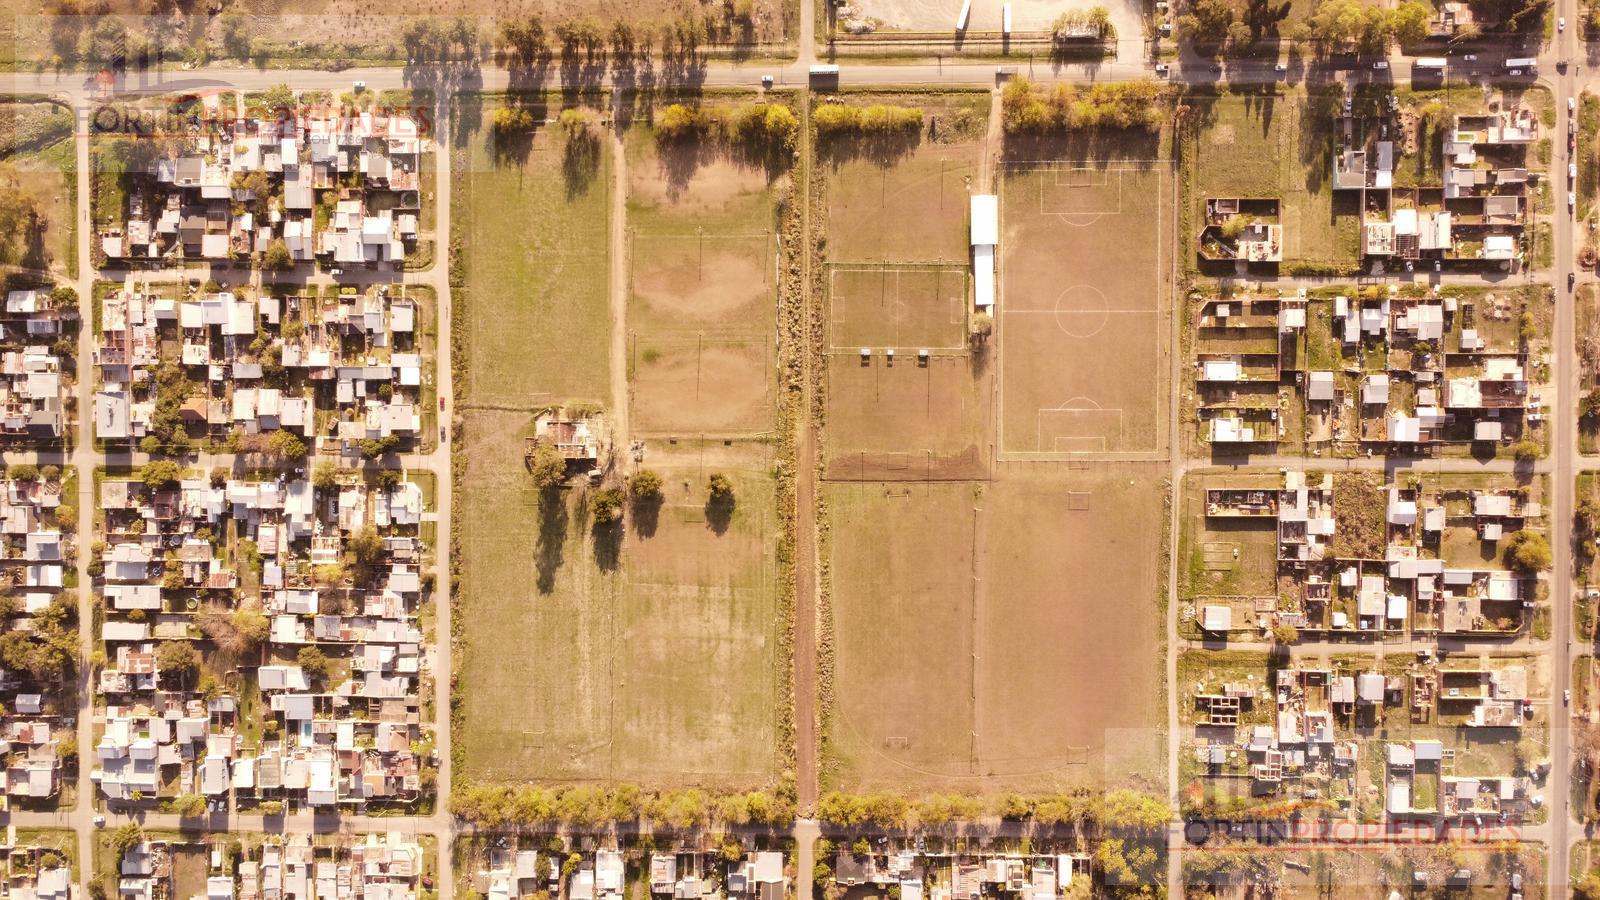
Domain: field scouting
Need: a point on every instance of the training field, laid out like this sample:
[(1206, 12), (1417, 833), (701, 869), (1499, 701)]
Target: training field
[(702, 298), (1085, 257), (655, 662), (898, 279), (983, 643), (911, 210), (534, 246)]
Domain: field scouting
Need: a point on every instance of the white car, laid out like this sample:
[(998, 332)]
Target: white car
[(1566, 697), (1561, 23), (1380, 65), (1572, 200), (1572, 103), (1572, 171), (1161, 69)]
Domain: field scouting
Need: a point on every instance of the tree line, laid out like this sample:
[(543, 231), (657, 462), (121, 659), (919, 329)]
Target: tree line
[(1027, 108)]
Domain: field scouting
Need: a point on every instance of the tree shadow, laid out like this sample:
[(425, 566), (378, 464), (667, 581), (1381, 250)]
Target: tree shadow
[(553, 520), (885, 150), (608, 544), (646, 513), (580, 160), (719, 513)]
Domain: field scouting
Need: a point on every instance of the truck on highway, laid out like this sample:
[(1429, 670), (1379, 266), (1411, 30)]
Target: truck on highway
[(825, 74)]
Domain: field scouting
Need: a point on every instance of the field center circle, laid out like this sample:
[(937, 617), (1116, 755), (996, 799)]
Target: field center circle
[(1082, 311)]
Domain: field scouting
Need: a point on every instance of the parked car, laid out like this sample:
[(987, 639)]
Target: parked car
[(1470, 57), (1572, 103), (1572, 171), (1280, 68), (1561, 23), (1161, 69), (1572, 200), (1380, 65), (766, 81)]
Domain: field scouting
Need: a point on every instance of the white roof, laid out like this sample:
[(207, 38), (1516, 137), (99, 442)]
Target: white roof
[(985, 219)]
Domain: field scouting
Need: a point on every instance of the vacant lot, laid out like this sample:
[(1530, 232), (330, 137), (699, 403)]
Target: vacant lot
[(1277, 146), (532, 226), (702, 295), (651, 658), (36, 149), (1084, 282), (982, 646)]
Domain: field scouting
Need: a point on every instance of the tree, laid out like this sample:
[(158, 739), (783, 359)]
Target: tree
[(721, 487), (1526, 450), (286, 444), (645, 485), (1207, 21), (367, 546), (314, 662), (1528, 552), (607, 506), (189, 806), (64, 298), (23, 472), (126, 838), (159, 474), (177, 657), (1284, 633), (277, 256), (549, 467), (253, 626), (326, 475), (1409, 22)]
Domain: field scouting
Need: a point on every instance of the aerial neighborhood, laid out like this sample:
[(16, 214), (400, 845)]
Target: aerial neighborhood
[(800, 450)]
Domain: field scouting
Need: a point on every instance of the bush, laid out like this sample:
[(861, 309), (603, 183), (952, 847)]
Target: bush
[(189, 806), (549, 467), (607, 506), (159, 474), (1528, 552), (837, 118), (1526, 450), (721, 487), (645, 485)]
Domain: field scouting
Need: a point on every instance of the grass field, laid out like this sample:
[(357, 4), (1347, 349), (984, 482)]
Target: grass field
[(534, 244), (1085, 257), (652, 660), (980, 645), (901, 207), (1277, 146), (702, 293)]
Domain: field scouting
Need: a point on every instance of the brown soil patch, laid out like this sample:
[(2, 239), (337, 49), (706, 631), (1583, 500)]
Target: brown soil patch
[(718, 387), (712, 186), (677, 283)]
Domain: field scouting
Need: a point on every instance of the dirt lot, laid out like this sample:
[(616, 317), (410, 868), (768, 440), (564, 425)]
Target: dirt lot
[(1010, 664), (908, 308), (653, 660), (703, 295), (537, 329), (1084, 294), (908, 422), (910, 209)]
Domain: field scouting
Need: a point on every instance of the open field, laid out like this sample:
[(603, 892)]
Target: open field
[(1276, 146), (534, 246), (702, 293), (36, 149), (650, 659), (910, 207), (1084, 293), (973, 653)]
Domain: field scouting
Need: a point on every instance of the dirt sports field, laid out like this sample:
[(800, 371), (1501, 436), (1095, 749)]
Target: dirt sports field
[(897, 279), (982, 645), (702, 298), (1083, 336)]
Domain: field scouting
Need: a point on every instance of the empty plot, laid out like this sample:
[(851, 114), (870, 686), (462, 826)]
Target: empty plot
[(538, 326), (914, 210), (983, 642), (905, 307), (703, 281), (698, 384), (906, 421), (1082, 333), (649, 660)]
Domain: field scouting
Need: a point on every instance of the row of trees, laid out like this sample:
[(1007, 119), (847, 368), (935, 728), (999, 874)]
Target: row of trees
[(1026, 108), (772, 124), (1122, 809), (879, 119), (1337, 25), (500, 806), (530, 41)]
